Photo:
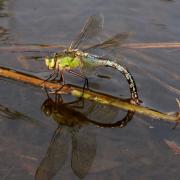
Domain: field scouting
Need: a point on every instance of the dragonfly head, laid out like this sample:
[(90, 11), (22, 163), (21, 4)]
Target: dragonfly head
[(50, 62), (47, 107)]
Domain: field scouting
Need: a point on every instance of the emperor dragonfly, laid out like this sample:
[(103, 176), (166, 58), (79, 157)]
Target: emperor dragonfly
[(73, 57)]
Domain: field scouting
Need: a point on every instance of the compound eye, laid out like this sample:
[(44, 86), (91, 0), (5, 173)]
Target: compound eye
[(48, 112)]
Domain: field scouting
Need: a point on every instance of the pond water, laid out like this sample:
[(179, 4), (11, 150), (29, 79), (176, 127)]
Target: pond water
[(34, 146)]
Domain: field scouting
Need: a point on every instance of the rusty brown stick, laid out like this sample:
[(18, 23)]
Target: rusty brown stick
[(91, 95)]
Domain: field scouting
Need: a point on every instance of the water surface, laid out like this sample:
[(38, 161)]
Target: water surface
[(31, 149)]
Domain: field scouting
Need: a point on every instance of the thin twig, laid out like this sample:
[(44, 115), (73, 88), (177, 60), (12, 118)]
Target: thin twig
[(88, 94), (34, 47), (152, 45)]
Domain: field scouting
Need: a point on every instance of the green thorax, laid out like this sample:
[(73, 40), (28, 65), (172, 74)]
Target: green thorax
[(68, 62), (71, 60)]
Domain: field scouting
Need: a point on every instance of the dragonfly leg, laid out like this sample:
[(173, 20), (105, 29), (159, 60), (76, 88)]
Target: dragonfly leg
[(58, 99), (54, 73), (61, 80), (46, 90), (86, 84), (62, 77)]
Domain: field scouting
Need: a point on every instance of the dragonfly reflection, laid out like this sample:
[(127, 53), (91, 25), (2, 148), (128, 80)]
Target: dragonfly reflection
[(70, 131)]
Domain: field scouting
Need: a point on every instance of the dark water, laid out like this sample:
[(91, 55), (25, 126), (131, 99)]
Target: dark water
[(31, 144)]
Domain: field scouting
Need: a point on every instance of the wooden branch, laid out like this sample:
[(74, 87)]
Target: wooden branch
[(88, 94)]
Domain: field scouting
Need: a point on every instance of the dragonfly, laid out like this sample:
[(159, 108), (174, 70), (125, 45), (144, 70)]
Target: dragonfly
[(75, 57)]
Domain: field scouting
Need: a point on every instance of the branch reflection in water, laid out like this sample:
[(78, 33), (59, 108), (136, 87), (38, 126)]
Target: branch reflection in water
[(70, 124)]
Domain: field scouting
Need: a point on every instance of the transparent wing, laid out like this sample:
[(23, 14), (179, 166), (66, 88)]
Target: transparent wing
[(92, 27), (113, 42), (55, 157), (83, 152)]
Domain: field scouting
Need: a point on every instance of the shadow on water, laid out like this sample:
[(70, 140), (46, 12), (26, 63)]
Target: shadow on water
[(70, 121)]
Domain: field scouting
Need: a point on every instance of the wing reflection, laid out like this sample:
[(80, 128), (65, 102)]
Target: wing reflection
[(70, 130)]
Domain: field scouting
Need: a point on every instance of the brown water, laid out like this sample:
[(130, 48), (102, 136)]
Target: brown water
[(29, 146)]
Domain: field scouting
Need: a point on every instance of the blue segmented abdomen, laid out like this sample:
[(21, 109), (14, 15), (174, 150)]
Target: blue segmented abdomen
[(126, 73), (97, 61)]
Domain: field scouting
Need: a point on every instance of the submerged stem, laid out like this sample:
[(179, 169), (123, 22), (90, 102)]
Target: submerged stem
[(91, 95)]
